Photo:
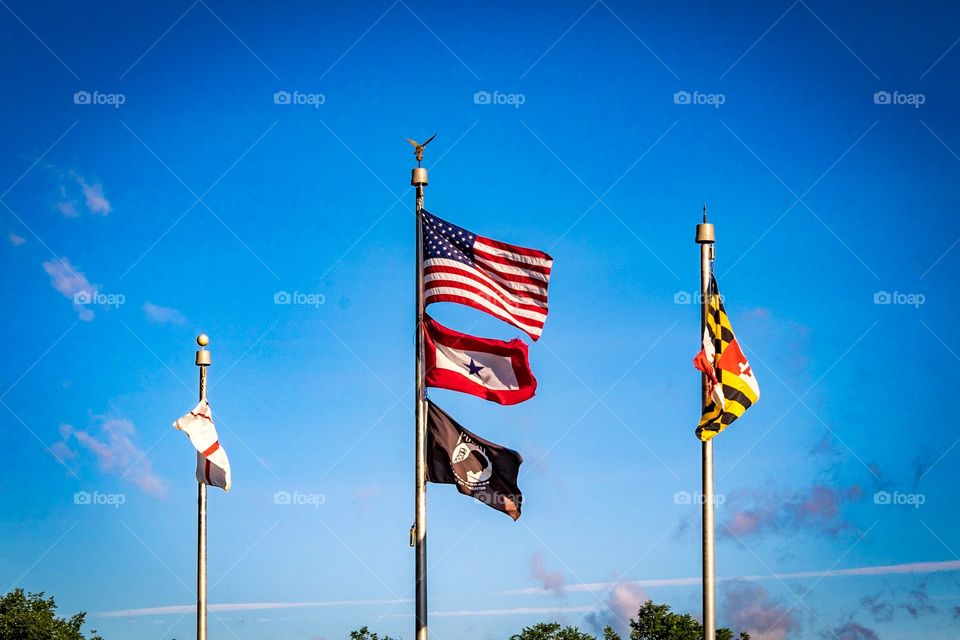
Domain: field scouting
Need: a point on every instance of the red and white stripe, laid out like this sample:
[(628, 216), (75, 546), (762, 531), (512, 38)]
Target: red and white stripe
[(213, 466), (506, 281)]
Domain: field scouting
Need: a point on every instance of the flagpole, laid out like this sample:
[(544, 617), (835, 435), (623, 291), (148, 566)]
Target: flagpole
[(706, 238), (419, 180), (202, 361)]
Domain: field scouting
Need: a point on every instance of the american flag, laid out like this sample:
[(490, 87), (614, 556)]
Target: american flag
[(501, 279)]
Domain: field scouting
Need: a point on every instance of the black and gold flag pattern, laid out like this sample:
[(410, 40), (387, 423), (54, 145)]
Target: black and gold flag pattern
[(732, 387)]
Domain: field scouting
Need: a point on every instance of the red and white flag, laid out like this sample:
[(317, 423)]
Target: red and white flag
[(213, 467), (491, 369), (504, 280)]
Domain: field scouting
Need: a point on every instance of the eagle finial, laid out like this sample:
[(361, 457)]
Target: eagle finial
[(418, 147)]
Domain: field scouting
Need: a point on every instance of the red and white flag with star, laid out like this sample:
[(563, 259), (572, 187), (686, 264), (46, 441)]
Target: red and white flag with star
[(491, 369), (213, 467)]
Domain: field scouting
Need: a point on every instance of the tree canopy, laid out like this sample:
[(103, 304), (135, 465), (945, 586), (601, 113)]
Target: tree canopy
[(32, 617), (652, 622), (551, 631), (363, 633)]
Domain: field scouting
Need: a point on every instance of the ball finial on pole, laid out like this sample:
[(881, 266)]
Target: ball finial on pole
[(203, 356)]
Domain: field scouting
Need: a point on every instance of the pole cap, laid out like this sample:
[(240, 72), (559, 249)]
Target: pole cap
[(203, 356), (419, 177), (705, 233)]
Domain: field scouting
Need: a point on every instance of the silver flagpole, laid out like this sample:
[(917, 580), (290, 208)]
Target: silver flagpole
[(706, 239), (419, 181), (203, 361)]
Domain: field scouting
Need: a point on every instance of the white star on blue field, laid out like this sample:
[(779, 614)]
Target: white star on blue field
[(177, 168)]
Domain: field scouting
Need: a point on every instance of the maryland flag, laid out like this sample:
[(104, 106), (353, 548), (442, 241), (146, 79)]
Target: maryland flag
[(731, 386)]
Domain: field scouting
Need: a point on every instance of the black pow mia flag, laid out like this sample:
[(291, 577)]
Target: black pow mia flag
[(480, 468)]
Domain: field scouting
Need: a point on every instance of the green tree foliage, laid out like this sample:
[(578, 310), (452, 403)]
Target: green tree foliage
[(610, 634), (361, 634), (33, 617), (653, 622), (657, 622), (551, 631)]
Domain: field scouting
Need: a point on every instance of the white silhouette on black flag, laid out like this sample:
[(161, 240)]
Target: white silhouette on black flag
[(478, 467)]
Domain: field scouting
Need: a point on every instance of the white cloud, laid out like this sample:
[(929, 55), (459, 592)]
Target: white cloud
[(163, 315), (96, 201), (552, 581), (242, 606), (748, 607), (16, 240), (92, 192), (515, 611), (116, 452), (936, 566), (68, 208), (66, 279), (622, 603)]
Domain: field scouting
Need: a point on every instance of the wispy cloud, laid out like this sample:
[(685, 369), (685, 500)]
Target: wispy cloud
[(915, 602), (241, 606), (70, 281), (621, 604), (67, 208), (749, 607), (550, 581), (16, 240), (817, 509), (93, 194), (937, 566), (163, 315), (72, 188), (115, 451), (851, 631), (516, 611)]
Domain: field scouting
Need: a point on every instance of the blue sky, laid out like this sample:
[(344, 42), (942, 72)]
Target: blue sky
[(146, 159)]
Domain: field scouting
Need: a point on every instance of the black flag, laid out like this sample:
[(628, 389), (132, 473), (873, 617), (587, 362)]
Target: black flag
[(479, 468)]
